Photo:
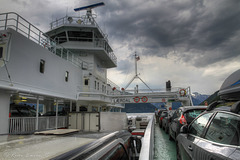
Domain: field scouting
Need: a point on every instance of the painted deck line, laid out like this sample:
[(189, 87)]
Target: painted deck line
[(57, 132)]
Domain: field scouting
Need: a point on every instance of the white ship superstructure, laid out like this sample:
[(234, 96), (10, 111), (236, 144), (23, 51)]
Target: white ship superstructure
[(53, 68)]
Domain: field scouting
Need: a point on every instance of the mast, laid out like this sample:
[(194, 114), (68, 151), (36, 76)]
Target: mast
[(137, 58)]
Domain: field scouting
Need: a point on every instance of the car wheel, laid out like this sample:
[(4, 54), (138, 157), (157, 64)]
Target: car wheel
[(178, 152), (166, 130)]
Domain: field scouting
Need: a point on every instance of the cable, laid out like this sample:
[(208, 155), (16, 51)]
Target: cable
[(7, 72)]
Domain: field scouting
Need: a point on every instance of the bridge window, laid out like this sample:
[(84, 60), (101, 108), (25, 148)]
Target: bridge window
[(80, 36), (42, 66), (86, 82), (1, 52), (60, 37)]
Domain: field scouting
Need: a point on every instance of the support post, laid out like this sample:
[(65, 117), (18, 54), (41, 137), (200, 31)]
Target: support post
[(56, 120), (37, 114), (71, 106)]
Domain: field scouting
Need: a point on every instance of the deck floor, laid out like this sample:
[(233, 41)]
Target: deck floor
[(164, 149)]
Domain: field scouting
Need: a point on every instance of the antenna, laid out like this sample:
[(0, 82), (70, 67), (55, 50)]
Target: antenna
[(89, 9), (137, 58)]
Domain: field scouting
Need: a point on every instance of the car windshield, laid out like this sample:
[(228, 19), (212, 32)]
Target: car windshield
[(164, 114), (192, 114)]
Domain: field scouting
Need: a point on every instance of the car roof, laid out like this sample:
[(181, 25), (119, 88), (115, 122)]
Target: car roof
[(230, 106), (223, 108), (186, 108)]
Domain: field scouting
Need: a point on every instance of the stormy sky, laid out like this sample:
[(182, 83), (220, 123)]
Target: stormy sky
[(193, 43)]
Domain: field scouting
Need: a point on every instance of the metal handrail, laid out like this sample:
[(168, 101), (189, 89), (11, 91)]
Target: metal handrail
[(27, 125), (147, 150), (16, 22), (97, 42), (76, 21), (21, 25)]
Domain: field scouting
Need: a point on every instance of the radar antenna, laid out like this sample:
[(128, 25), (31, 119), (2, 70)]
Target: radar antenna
[(89, 9)]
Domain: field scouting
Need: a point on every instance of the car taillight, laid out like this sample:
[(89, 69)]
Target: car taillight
[(183, 120)]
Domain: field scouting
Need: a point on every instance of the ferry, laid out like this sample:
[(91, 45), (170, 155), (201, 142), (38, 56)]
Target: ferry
[(63, 73)]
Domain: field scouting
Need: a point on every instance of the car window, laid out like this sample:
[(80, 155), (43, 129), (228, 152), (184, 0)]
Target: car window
[(24, 111), (175, 114), (164, 114), (179, 113), (192, 114), (32, 112), (224, 129), (198, 125)]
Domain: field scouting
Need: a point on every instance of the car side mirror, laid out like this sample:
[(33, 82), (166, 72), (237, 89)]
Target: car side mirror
[(184, 129)]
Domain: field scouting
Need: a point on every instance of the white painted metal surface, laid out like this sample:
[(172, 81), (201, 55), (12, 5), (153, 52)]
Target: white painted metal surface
[(113, 121), (147, 150), (84, 121), (4, 112)]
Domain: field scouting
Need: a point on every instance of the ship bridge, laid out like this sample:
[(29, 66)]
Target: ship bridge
[(81, 35)]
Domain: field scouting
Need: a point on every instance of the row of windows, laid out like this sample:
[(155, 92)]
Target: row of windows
[(73, 36), (42, 69), (96, 85)]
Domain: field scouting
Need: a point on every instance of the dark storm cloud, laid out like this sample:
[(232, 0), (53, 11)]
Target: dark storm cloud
[(201, 32)]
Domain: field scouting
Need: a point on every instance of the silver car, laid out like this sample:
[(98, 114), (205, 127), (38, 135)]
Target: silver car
[(213, 135)]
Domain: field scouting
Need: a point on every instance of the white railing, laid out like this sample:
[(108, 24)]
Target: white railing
[(147, 150), (16, 22), (84, 20), (27, 125)]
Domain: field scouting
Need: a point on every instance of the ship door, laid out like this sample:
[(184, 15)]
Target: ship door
[(86, 85)]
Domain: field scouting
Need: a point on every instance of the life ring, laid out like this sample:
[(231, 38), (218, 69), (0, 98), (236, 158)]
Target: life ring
[(182, 92), (144, 99), (136, 99)]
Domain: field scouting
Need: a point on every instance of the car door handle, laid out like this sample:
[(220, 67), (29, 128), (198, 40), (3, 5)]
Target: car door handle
[(190, 148)]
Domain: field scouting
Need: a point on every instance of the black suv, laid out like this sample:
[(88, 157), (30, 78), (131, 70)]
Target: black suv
[(17, 110), (183, 115), (213, 135)]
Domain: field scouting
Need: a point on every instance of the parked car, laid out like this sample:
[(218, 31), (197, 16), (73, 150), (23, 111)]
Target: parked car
[(17, 110), (165, 121), (215, 134), (159, 112), (183, 115), (163, 114), (53, 113)]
